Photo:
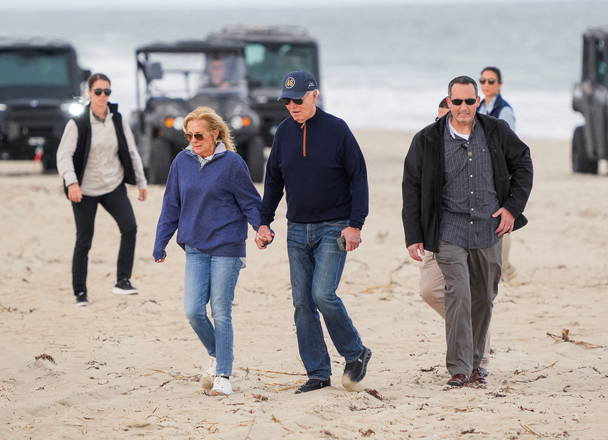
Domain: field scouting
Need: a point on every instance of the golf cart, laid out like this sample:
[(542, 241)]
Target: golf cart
[(271, 52), (178, 77), (40, 89), (590, 98)]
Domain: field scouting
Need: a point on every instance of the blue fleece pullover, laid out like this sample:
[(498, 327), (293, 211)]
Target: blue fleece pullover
[(322, 169), (209, 205)]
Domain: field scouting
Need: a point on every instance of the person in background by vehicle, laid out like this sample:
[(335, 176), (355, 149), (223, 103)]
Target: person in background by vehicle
[(432, 283), (494, 104), (217, 73), (466, 181), (209, 199), (317, 160), (97, 155)]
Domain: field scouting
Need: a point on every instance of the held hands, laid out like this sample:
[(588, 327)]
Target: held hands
[(74, 193), (264, 237), (416, 251), (352, 237), (506, 222)]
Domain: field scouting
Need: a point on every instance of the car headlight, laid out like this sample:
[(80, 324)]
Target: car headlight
[(72, 108), (238, 122), (3, 107), (175, 123)]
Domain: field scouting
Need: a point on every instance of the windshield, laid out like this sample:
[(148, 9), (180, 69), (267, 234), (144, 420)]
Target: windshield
[(184, 75), (267, 63), (34, 68)]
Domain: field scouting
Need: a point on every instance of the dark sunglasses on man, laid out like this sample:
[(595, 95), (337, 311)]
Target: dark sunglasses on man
[(490, 81), (286, 101), (468, 101), (197, 136), (98, 92)]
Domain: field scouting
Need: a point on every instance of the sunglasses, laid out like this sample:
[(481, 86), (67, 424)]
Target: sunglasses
[(491, 81), (98, 92), (286, 101), (197, 136), (468, 101)]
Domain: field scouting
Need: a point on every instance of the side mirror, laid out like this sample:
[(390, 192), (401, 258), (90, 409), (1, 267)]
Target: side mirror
[(86, 73), (154, 71)]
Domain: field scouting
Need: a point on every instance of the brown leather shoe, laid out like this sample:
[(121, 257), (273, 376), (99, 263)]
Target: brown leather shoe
[(478, 377), (458, 380)]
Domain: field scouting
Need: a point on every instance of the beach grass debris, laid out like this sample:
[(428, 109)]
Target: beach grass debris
[(45, 357), (565, 337), (367, 432), (530, 430), (374, 393), (259, 370)]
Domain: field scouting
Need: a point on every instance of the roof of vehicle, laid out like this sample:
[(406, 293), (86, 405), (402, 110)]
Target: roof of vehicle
[(33, 43), (293, 34), (600, 31), (191, 46)]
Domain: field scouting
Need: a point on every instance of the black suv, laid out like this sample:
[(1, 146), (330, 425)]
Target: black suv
[(590, 97), (40, 89), (271, 52), (179, 77)]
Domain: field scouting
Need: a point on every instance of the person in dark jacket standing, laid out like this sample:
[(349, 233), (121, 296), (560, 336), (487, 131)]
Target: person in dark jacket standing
[(466, 182), (494, 104), (209, 199), (317, 160), (97, 155)]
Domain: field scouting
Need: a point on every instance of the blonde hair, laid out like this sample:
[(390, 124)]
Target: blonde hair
[(215, 122)]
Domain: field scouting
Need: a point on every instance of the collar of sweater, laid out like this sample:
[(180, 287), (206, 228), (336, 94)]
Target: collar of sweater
[(220, 149)]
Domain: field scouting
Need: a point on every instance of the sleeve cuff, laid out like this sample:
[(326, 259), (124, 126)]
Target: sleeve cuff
[(69, 178)]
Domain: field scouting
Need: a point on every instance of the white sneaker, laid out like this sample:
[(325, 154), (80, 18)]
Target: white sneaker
[(221, 387), (208, 375)]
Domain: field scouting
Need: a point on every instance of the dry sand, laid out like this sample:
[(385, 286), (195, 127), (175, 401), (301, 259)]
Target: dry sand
[(128, 367)]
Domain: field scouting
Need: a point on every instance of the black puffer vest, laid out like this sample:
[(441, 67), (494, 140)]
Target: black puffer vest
[(83, 146)]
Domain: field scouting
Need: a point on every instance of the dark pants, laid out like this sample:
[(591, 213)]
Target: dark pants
[(471, 284), (118, 206)]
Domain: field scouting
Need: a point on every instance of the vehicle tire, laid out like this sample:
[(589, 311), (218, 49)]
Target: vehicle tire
[(254, 157), (581, 162), (160, 161)]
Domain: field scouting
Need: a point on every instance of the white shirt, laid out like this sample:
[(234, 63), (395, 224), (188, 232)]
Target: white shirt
[(103, 171)]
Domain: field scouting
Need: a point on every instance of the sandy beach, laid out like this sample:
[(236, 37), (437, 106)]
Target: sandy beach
[(129, 367)]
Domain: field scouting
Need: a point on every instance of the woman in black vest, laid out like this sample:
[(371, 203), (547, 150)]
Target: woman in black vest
[(96, 157)]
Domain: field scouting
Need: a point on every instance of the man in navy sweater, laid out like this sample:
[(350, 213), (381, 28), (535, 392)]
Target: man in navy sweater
[(318, 162)]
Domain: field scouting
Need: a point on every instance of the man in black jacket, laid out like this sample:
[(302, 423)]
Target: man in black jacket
[(466, 181)]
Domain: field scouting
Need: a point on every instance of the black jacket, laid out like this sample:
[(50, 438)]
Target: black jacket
[(423, 178), (83, 146)]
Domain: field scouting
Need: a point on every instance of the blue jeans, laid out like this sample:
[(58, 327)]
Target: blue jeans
[(316, 263), (212, 279)]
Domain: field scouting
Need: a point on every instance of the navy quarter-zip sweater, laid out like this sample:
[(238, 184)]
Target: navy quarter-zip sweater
[(321, 167), (209, 205)]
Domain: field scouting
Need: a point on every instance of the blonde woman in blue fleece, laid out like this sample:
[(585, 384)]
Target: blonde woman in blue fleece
[(209, 199)]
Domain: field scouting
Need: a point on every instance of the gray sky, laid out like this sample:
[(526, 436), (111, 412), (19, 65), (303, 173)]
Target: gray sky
[(174, 4)]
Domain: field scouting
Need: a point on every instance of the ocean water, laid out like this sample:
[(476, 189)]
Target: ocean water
[(382, 66)]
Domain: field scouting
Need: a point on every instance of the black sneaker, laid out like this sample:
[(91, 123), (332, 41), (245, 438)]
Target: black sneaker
[(124, 287), (81, 299), (313, 384), (355, 370)]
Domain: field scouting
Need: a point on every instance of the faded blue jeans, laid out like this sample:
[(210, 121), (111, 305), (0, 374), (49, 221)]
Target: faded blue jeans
[(316, 263), (212, 279)]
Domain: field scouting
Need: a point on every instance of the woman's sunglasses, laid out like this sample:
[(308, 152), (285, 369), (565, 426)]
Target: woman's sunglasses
[(197, 136), (490, 81), (98, 92), (468, 101), (286, 101)]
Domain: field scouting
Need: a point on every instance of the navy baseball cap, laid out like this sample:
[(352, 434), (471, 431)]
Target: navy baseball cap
[(295, 84)]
